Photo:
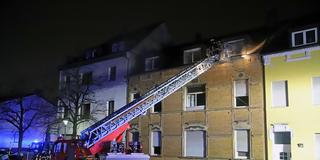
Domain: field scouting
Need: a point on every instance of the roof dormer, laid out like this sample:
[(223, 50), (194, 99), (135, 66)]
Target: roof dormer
[(304, 37)]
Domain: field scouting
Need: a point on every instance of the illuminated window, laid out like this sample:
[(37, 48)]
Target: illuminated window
[(87, 78), (192, 55), (195, 97), (316, 90), (279, 93), (241, 93), (194, 143), (242, 143), (110, 106), (151, 63), (304, 37), (155, 142), (112, 73)]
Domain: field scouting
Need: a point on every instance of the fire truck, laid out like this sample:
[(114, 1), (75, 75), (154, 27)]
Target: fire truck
[(94, 138)]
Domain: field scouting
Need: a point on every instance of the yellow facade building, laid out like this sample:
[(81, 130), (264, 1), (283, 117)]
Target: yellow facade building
[(218, 115), (292, 89)]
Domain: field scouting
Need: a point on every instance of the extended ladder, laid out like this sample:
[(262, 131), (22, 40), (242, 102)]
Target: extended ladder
[(121, 117)]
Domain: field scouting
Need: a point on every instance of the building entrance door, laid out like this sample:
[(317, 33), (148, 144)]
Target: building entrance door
[(282, 146)]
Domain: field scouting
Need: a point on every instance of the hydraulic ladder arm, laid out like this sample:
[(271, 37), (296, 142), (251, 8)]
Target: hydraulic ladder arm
[(120, 118)]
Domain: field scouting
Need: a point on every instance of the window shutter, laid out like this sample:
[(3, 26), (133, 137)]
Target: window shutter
[(279, 93), (242, 141), (316, 90), (156, 139), (195, 143), (241, 88)]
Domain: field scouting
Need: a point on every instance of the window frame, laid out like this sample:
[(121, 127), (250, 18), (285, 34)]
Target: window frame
[(204, 133), (196, 106), (235, 93), (153, 108), (286, 94), (304, 36), (235, 144), (108, 107), (152, 61), (85, 81), (112, 76), (192, 51), (83, 113), (152, 150), (315, 92)]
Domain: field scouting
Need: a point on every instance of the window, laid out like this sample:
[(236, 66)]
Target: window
[(110, 106), (112, 73), (194, 143), (196, 97), (235, 47), (156, 143), (67, 80), (192, 55), (157, 108), (65, 112), (279, 93), (85, 111), (304, 37), (87, 78), (135, 96), (282, 138), (152, 63), (135, 136), (317, 146), (242, 143), (316, 90), (241, 93)]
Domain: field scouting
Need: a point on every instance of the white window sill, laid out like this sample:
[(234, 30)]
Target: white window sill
[(195, 108)]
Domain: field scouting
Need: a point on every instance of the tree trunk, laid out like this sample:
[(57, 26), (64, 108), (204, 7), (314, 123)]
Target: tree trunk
[(20, 142), (74, 130)]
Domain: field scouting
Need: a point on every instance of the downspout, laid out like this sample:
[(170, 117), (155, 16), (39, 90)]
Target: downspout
[(264, 107)]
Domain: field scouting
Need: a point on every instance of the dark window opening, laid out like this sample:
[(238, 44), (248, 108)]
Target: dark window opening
[(87, 78), (112, 73), (110, 107), (298, 39), (311, 36), (85, 111), (157, 107)]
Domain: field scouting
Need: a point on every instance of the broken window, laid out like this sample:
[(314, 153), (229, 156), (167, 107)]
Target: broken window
[(241, 93), (196, 97)]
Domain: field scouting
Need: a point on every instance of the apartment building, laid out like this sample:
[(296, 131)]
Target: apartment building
[(292, 87), (219, 115), (102, 71)]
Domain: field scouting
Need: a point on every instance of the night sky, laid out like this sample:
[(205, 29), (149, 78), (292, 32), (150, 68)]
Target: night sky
[(37, 36)]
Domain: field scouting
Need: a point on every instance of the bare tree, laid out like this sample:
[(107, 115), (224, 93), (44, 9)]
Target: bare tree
[(24, 112), (76, 94)]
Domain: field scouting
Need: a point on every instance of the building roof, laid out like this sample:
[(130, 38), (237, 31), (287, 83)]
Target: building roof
[(104, 50), (280, 40)]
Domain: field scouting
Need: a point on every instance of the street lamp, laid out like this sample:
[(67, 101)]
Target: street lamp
[(65, 122)]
